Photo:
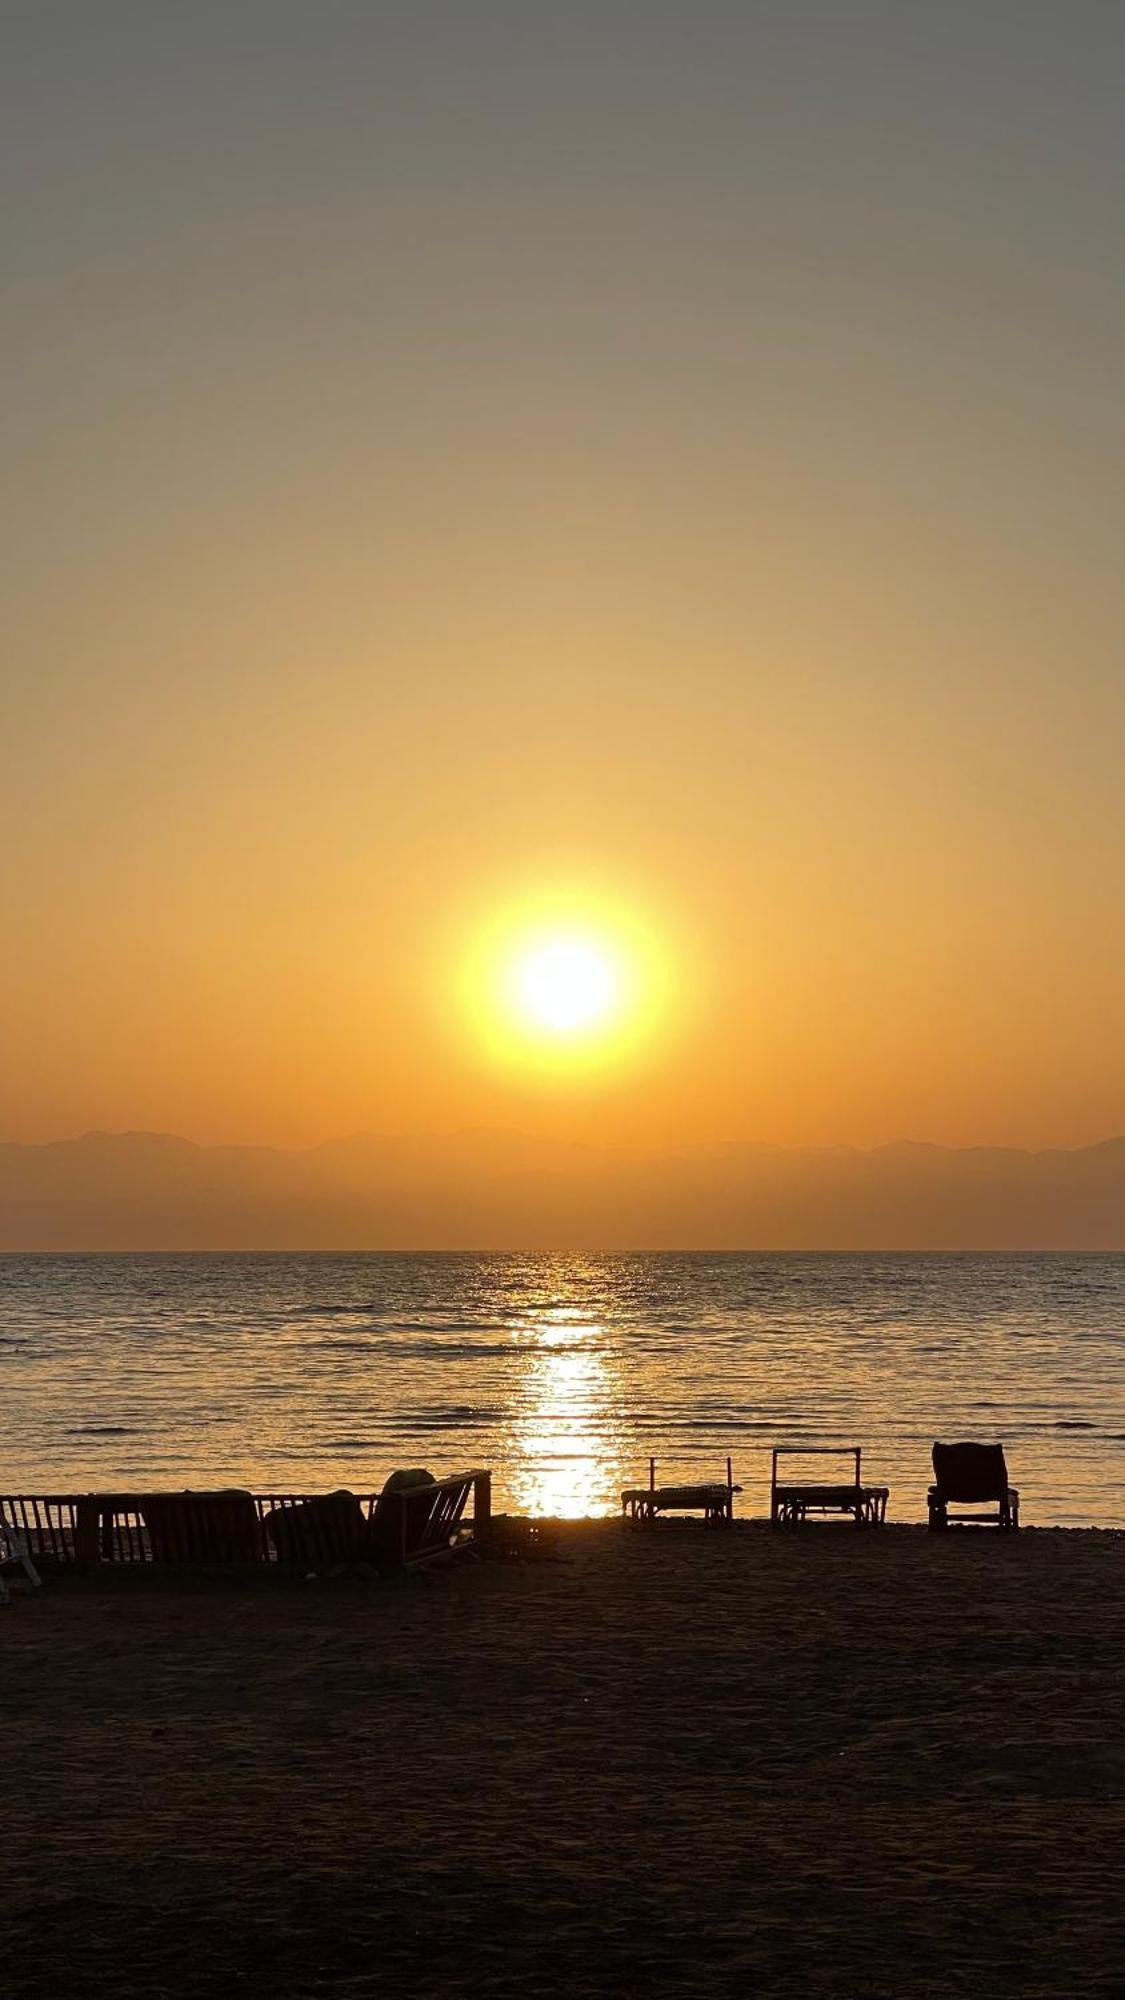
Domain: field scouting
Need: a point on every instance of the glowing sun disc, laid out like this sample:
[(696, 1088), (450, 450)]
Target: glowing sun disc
[(565, 984)]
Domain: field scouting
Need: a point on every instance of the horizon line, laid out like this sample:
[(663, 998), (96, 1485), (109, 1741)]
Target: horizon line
[(549, 1139)]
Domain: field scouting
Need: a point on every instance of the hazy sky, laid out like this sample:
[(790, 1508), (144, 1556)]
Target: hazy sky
[(457, 451)]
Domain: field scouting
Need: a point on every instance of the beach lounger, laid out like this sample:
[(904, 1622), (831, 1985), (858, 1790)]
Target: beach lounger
[(321, 1533), (189, 1527), (417, 1517), (45, 1524), (714, 1499), (792, 1500), (220, 1527), (972, 1475), (15, 1560)]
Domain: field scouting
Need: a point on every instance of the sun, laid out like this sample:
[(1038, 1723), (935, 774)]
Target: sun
[(566, 984)]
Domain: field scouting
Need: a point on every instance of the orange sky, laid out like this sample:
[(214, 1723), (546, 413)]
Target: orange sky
[(448, 469)]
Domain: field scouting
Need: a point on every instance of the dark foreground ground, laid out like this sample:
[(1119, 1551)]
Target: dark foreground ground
[(822, 1763)]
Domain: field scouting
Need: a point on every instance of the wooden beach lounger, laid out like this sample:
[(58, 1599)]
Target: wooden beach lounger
[(715, 1500), (320, 1533), (792, 1501), (972, 1475), (417, 1518), (413, 1520), (191, 1527)]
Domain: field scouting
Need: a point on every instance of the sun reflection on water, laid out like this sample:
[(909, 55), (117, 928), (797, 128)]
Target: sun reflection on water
[(568, 1430)]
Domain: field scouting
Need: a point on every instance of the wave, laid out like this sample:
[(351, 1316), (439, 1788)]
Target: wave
[(102, 1431)]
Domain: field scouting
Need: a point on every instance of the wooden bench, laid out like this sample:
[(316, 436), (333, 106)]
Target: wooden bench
[(641, 1505), (792, 1501)]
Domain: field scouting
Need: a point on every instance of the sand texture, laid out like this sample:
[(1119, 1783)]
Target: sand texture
[(685, 1763)]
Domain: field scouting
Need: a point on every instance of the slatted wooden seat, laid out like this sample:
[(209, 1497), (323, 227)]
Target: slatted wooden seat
[(972, 1475), (714, 1499), (792, 1501)]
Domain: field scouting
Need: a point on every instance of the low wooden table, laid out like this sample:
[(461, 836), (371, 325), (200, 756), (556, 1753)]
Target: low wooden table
[(792, 1501), (642, 1505)]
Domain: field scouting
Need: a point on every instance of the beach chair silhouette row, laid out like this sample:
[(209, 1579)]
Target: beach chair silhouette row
[(415, 1519), (971, 1476)]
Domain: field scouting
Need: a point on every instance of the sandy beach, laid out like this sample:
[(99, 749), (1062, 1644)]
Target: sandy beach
[(817, 1763)]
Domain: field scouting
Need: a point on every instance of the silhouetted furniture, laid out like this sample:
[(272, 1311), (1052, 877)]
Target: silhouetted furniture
[(792, 1501), (46, 1523), (641, 1505), (320, 1533), (15, 1561), (220, 1526), (972, 1475), (415, 1519)]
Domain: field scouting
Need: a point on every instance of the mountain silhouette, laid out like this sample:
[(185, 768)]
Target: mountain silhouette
[(486, 1189)]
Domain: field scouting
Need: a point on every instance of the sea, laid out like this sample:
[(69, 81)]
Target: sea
[(565, 1374)]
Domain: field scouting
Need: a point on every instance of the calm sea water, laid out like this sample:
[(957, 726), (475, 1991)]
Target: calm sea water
[(563, 1373)]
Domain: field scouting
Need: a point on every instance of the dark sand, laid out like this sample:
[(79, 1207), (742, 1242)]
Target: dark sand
[(692, 1763)]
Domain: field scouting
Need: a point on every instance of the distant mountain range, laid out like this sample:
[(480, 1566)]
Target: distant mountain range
[(504, 1190)]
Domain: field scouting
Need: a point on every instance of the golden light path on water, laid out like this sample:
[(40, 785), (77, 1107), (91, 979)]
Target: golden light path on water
[(570, 1429)]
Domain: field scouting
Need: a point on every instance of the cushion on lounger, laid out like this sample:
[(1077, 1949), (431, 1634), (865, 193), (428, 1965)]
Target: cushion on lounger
[(400, 1520), (411, 1475)]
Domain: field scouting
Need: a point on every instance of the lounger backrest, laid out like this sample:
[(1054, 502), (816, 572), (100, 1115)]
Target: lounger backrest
[(202, 1527), (416, 1515), (970, 1472), (317, 1533), (46, 1523)]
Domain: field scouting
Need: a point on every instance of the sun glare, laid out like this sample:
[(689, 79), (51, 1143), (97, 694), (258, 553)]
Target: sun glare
[(564, 985)]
